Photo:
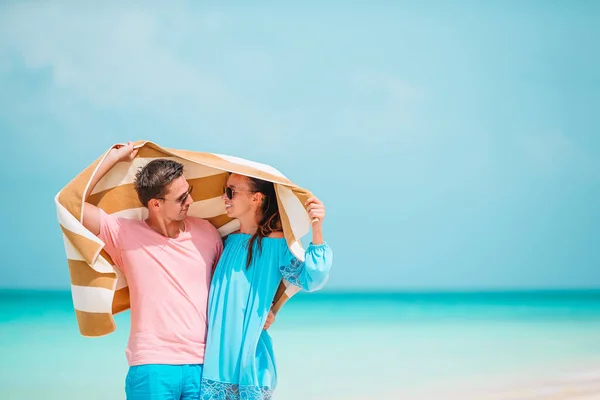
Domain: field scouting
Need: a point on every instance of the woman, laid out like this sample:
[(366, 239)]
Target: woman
[(239, 362)]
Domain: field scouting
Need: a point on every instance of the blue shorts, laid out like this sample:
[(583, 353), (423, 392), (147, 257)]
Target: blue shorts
[(163, 382)]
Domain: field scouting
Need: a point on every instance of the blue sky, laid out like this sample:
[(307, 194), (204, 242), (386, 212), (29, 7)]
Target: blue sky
[(456, 144)]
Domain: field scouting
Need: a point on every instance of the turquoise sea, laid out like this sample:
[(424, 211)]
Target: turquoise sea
[(328, 345)]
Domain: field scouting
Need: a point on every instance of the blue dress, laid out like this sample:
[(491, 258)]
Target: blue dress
[(239, 361)]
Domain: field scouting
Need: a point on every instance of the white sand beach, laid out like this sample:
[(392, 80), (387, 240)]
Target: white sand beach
[(581, 383), (576, 385)]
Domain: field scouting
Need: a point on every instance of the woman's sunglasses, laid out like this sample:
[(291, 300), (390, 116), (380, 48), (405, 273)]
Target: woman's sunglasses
[(229, 192)]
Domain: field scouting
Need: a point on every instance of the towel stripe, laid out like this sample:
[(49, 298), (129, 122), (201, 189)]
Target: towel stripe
[(121, 279), (72, 252), (208, 187), (92, 299), (124, 197), (121, 300), (124, 173), (72, 224), (213, 160), (229, 227), (151, 152), (94, 324), (116, 199), (219, 220), (83, 275), (207, 208), (262, 167), (106, 258), (140, 213), (87, 248), (71, 196), (294, 207)]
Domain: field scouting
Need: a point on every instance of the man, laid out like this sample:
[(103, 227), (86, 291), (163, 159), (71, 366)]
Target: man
[(168, 261)]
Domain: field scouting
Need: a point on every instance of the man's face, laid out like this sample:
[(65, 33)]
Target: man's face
[(176, 201)]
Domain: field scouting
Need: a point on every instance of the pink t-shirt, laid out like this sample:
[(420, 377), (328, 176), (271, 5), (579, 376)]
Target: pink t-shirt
[(168, 283)]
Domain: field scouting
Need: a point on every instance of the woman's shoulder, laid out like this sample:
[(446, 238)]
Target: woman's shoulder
[(276, 235)]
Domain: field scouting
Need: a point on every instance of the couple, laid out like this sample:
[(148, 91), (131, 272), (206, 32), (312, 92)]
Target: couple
[(199, 306)]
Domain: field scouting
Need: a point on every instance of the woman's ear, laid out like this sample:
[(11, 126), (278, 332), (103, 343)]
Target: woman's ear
[(257, 198)]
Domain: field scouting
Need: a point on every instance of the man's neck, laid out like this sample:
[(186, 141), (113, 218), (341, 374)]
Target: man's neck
[(167, 228)]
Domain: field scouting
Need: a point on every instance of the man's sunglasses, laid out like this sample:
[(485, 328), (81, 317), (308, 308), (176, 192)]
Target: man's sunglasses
[(181, 199), (229, 192)]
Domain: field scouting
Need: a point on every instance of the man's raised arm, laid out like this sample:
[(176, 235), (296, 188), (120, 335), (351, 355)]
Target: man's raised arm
[(91, 213)]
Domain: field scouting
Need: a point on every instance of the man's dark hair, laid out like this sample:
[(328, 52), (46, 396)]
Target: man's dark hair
[(152, 180)]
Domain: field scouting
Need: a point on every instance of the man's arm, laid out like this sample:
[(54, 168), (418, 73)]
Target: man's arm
[(91, 213)]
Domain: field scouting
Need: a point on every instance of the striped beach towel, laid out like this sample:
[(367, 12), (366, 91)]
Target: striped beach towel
[(98, 287)]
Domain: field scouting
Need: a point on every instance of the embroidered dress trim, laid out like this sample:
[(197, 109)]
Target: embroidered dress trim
[(215, 390), (291, 273)]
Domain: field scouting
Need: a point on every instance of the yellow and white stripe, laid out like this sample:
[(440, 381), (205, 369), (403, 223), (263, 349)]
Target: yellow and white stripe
[(98, 287)]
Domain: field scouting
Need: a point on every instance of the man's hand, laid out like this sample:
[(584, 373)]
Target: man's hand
[(124, 153), (270, 320)]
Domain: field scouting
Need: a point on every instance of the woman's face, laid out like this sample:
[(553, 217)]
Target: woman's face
[(244, 201)]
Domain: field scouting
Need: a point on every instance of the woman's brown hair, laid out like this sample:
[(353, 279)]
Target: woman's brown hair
[(269, 220)]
